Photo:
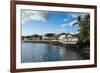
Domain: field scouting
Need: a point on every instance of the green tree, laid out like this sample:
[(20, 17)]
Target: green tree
[(85, 29), (84, 24), (49, 35), (35, 36)]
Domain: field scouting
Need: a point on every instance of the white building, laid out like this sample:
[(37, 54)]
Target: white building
[(68, 39)]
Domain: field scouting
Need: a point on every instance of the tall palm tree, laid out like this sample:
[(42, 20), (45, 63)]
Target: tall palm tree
[(84, 24)]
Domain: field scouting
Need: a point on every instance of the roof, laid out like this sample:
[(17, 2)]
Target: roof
[(69, 36)]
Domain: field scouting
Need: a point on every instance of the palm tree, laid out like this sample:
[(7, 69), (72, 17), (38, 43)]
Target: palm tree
[(84, 24)]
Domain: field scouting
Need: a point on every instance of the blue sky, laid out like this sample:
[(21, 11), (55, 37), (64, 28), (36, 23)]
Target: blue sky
[(41, 22)]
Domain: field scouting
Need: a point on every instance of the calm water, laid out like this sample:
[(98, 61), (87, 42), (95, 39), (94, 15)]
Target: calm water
[(40, 52)]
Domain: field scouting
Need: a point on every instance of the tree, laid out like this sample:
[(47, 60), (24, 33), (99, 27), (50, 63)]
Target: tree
[(35, 36), (22, 37), (84, 24), (49, 35), (28, 37)]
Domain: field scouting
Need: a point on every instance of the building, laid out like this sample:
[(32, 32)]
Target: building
[(68, 38)]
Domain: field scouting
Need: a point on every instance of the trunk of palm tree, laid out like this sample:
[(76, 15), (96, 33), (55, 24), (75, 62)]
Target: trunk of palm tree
[(84, 24)]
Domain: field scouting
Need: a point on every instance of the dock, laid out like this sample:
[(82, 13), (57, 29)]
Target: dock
[(55, 42)]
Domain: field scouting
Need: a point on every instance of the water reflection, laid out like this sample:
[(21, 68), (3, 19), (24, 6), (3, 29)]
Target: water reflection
[(40, 52), (68, 54)]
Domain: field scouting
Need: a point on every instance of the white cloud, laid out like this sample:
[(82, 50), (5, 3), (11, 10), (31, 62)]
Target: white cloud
[(71, 23), (72, 33), (75, 15), (33, 15), (61, 30), (63, 25), (76, 32)]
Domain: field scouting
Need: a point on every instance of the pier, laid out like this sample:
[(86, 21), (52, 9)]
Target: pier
[(54, 42)]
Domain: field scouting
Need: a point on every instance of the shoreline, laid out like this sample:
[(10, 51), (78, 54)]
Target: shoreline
[(54, 42)]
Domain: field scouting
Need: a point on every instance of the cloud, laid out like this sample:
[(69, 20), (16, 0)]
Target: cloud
[(75, 15), (61, 30), (76, 32), (33, 15), (71, 18), (72, 22), (63, 25)]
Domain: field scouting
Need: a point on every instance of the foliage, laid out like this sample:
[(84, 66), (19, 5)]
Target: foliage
[(49, 35), (35, 36), (84, 24)]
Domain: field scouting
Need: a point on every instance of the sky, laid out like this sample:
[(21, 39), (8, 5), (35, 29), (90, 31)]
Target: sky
[(42, 22)]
